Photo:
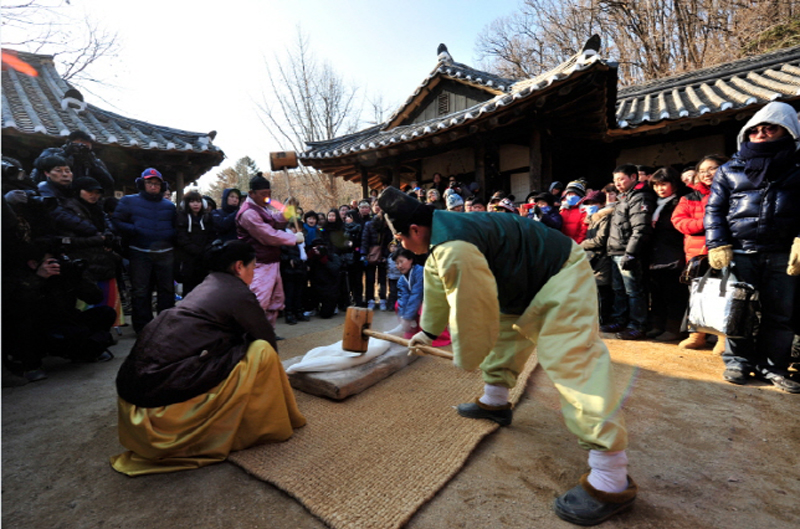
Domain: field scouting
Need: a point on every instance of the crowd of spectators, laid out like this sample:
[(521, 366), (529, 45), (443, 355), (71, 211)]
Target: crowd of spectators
[(63, 242)]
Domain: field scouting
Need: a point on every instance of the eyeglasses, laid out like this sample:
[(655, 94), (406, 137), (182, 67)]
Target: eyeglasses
[(768, 130), (152, 183)]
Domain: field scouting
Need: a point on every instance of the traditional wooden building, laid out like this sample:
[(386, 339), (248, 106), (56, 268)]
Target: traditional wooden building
[(569, 122), (39, 111)]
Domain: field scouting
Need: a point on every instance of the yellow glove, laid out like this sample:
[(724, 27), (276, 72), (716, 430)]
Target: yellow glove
[(794, 259), (720, 257)]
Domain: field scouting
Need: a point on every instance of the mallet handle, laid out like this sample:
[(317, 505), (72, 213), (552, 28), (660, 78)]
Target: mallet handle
[(402, 341)]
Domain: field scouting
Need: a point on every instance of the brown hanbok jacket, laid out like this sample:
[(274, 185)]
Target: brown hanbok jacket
[(187, 350)]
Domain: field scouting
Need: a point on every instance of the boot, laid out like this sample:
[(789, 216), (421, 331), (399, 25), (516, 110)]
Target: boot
[(696, 340), (719, 347)]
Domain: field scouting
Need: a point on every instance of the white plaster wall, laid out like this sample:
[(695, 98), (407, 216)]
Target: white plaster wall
[(513, 156), (452, 162)]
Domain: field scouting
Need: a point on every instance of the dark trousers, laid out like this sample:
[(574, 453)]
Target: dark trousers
[(770, 349), (605, 299), (668, 299), (630, 297), (391, 301), (355, 283), (293, 286), (144, 268), (85, 337), (370, 286)]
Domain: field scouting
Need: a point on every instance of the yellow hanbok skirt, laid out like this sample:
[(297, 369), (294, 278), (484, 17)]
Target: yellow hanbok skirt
[(254, 405)]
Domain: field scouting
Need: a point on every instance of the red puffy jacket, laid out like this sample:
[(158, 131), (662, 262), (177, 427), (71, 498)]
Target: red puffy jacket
[(688, 219), (574, 225)]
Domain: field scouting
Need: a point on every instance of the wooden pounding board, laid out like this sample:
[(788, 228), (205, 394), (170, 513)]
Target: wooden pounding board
[(338, 385)]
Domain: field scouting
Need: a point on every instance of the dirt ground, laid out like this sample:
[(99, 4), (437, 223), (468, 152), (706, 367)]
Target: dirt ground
[(705, 454)]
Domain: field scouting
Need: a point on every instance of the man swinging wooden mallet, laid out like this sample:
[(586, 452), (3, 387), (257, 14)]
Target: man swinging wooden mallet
[(507, 284)]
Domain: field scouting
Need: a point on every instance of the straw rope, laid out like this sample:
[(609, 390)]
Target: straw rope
[(372, 460)]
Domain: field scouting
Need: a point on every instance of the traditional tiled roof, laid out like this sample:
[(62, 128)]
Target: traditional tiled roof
[(377, 137), (447, 68), (730, 86), (47, 104)]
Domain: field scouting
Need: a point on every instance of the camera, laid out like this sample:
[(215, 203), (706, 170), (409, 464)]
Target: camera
[(71, 268), (47, 203), (80, 153)]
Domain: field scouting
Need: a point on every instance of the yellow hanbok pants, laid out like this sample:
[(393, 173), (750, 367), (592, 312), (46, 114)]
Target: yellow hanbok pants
[(561, 323), (254, 405)]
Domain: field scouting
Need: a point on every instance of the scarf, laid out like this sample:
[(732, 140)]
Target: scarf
[(661, 203), (768, 158)]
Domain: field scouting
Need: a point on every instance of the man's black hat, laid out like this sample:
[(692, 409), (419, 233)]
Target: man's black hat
[(401, 210), (258, 182)]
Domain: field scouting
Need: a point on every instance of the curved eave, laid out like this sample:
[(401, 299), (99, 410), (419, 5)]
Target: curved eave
[(639, 110), (331, 151)]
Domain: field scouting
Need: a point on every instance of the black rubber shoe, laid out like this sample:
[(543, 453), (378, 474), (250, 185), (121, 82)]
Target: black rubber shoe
[(630, 334), (477, 410), (585, 505), (612, 327)]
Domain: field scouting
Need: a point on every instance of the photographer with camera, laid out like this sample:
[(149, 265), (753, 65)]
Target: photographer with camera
[(44, 320), (26, 214), (81, 159)]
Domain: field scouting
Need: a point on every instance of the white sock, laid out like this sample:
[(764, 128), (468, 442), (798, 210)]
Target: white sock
[(494, 395), (609, 470)]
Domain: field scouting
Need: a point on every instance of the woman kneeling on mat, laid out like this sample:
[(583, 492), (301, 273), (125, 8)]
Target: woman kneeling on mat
[(203, 378)]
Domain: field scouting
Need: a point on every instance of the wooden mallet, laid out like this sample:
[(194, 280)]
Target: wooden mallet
[(357, 333)]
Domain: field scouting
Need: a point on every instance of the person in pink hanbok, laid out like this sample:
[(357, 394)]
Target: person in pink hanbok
[(261, 225)]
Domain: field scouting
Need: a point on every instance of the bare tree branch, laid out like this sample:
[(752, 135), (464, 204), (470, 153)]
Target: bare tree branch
[(52, 27), (650, 38)]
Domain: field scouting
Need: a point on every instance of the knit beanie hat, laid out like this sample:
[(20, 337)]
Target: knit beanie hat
[(454, 200), (576, 187), (505, 205)]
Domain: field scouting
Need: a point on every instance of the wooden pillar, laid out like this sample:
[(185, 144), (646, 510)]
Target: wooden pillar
[(535, 175), (394, 171), (364, 183), (479, 153), (180, 184)]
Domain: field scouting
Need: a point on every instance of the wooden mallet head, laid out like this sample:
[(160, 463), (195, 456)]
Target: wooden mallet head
[(356, 321)]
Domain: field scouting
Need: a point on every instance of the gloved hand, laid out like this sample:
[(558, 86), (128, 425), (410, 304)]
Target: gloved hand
[(628, 261), (16, 196), (408, 325), (299, 237), (720, 257), (794, 258), (418, 339)]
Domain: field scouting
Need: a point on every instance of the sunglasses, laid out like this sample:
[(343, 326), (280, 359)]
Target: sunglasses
[(768, 130)]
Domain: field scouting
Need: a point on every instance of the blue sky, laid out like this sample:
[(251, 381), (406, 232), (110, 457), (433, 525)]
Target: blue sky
[(199, 66)]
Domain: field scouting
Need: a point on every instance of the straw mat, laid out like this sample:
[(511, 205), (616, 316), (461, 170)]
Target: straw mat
[(372, 460)]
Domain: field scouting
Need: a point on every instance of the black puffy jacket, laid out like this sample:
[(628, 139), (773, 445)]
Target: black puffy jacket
[(763, 218), (631, 226)]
